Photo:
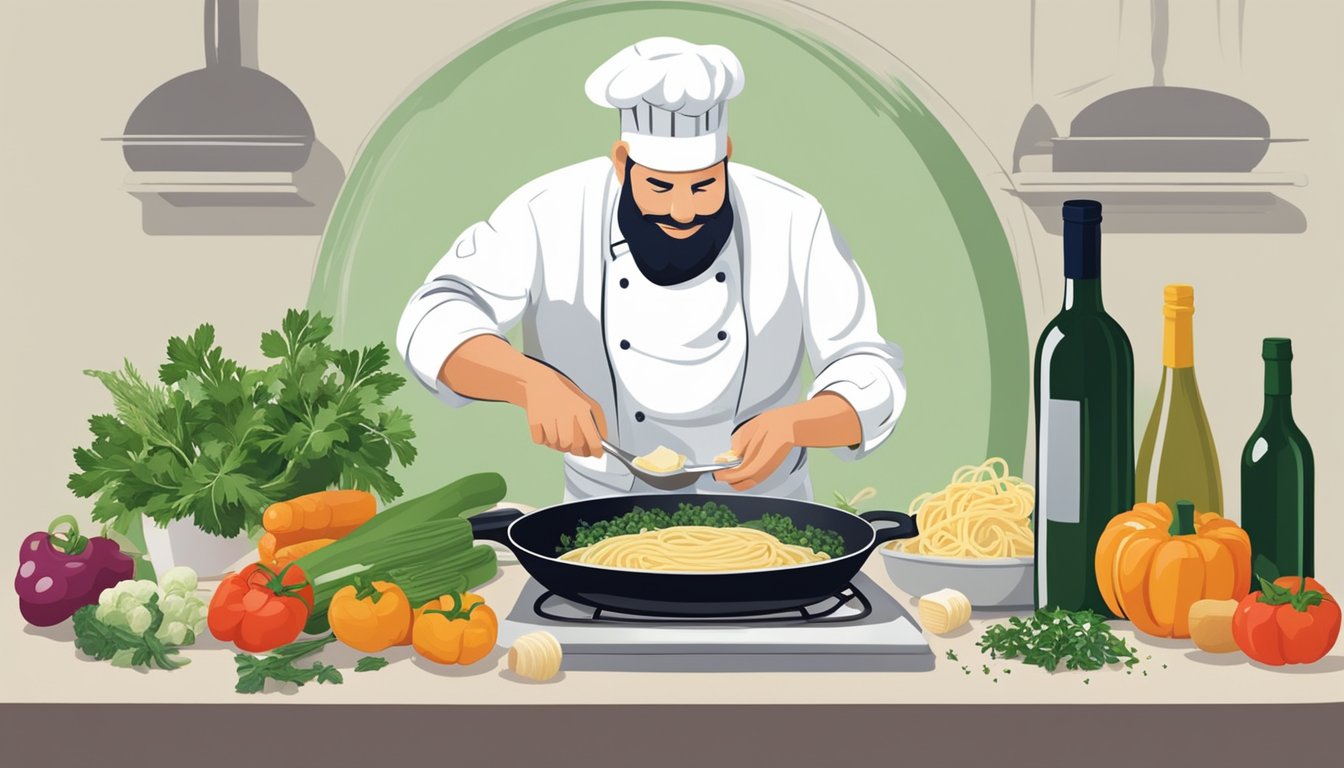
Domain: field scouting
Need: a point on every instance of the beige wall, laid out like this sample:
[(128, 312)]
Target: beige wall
[(84, 286)]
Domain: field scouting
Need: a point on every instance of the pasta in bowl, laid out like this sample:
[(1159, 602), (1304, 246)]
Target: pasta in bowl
[(975, 536)]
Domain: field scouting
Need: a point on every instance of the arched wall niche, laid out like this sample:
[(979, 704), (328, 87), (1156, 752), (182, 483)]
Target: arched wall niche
[(917, 196)]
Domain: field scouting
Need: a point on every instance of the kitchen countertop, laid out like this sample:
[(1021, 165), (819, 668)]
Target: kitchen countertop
[(42, 665)]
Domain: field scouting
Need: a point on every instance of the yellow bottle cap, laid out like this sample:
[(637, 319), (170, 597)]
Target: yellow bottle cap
[(1178, 347), (1179, 296)]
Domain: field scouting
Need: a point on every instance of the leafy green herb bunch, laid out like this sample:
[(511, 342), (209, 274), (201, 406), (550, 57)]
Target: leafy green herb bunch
[(217, 442)]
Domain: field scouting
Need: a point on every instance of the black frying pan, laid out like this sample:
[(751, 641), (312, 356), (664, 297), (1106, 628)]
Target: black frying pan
[(534, 537)]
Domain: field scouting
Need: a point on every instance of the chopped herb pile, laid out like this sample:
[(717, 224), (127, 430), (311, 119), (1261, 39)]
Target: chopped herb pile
[(707, 514), (1078, 639), (370, 664), (253, 672)]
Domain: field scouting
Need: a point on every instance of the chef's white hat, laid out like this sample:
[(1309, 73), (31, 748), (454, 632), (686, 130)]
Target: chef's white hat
[(673, 97)]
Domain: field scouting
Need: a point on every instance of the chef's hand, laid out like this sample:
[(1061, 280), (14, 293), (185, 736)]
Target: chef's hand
[(763, 443), (562, 417), (824, 421)]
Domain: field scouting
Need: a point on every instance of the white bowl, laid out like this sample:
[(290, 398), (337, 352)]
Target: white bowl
[(1006, 582), (182, 543)]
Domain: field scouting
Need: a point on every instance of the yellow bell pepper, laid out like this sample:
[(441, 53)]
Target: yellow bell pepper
[(371, 617), (455, 629)]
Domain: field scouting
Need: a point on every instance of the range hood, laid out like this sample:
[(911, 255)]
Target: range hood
[(225, 134), (1164, 128), (1158, 149)]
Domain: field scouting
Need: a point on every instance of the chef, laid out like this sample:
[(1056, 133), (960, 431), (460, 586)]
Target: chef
[(668, 297)]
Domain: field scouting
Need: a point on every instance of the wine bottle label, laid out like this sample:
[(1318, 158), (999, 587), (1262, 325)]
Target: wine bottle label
[(1061, 463)]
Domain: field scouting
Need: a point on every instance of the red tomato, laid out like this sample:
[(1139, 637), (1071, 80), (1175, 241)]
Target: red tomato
[(258, 609), (1273, 630)]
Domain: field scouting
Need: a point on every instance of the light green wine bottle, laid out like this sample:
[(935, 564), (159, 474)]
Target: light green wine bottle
[(1177, 458)]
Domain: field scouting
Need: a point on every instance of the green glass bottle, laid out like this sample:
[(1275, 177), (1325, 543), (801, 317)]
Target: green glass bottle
[(1177, 459), (1084, 389), (1278, 478)]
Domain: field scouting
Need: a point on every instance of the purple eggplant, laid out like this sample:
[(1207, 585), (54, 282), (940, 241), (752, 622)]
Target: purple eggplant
[(61, 572)]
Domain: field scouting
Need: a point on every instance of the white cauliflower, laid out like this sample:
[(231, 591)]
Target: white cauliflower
[(126, 605)]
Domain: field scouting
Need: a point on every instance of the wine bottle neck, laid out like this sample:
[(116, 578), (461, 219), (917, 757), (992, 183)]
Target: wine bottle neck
[(1278, 378), (1178, 338), (1083, 295), (1082, 265), (1278, 391), (1278, 408), (1082, 250)]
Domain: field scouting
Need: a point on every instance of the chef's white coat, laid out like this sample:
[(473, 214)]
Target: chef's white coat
[(681, 365)]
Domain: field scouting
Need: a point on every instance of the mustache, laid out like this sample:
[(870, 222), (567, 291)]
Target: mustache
[(667, 219)]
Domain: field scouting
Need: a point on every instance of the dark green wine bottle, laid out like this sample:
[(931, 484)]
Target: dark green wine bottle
[(1278, 478), (1084, 424)]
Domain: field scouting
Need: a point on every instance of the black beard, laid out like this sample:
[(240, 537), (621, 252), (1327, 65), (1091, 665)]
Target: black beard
[(665, 260)]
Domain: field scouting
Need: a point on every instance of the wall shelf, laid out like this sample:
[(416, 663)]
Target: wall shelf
[(1080, 182)]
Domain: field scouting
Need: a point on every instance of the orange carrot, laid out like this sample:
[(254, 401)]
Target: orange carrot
[(286, 555), (266, 549), (325, 514), (270, 543)]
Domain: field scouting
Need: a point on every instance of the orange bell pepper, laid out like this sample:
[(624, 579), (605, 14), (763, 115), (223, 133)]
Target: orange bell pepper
[(370, 617), (455, 629)]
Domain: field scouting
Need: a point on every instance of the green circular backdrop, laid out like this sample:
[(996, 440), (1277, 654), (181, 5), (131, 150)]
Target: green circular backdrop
[(892, 181)]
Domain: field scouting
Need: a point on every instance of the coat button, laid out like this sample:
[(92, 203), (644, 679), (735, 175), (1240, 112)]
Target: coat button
[(625, 283), (720, 277), (625, 344), (639, 415), (723, 335)]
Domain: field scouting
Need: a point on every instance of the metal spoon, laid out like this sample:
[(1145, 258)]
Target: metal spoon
[(665, 481)]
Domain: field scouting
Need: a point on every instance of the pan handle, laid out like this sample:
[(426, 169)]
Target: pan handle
[(905, 527), (493, 525)]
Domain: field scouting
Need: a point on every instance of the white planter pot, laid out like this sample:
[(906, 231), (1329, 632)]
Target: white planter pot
[(182, 543)]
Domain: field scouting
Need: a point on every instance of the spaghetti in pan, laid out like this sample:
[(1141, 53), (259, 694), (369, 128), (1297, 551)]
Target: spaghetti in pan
[(694, 548)]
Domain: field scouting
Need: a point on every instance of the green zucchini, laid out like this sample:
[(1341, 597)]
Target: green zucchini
[(426, 542), (471, 567)]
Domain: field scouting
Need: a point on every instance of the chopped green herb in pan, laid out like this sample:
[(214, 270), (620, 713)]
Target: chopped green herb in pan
[(708, 514)]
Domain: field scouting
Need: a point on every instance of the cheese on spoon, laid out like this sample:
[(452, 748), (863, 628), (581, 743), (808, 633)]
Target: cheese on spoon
[(661, 459)]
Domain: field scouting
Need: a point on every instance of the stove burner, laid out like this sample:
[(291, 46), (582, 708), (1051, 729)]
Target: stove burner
[(807, 615)]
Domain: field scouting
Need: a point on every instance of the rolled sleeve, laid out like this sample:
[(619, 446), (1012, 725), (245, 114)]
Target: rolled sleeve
[(851, 358), (439, 333), (480, 287), (874, 388)]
